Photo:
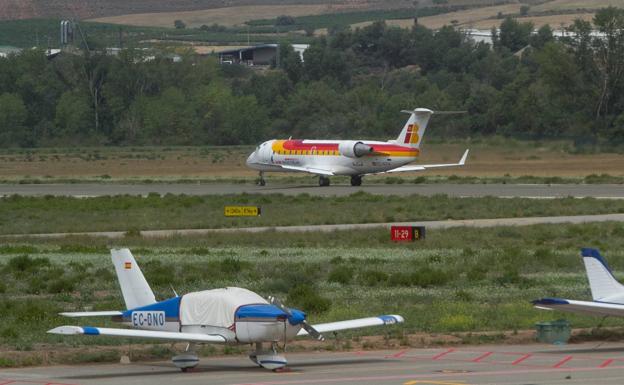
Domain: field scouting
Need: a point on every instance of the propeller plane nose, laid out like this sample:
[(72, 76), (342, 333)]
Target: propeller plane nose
[(296, 317)]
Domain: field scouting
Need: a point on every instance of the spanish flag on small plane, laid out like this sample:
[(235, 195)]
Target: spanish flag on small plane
[(127, 265)]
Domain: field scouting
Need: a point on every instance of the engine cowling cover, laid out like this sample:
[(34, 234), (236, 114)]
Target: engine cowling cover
[(353, 149)]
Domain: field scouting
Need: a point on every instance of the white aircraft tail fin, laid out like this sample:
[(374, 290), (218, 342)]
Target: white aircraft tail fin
[(134, 287), (604, 286), (414, 128)]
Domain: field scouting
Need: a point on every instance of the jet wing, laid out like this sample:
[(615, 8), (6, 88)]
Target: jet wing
[(153, 334), (582, 307), (91, 313), (422, 167), (355, 324), (311, 170)]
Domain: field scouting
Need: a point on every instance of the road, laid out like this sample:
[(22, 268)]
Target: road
[(329, 228), (611, 191), (588, 363)]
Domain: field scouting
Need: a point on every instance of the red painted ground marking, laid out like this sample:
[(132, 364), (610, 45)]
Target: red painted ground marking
[(606, 363), (485, 355), (30, 382), (438, 356), (397, 355), (519, 360), (562, 362), (521, 371)]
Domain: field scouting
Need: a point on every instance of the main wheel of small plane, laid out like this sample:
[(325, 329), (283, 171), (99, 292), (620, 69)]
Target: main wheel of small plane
[(323, 181), (356, 180), (262, 182)]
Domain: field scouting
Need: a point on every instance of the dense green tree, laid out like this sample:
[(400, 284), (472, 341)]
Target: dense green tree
[(13, 115), (514, 35)]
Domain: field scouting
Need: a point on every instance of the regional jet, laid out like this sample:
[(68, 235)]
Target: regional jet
[(231, 315), (354, 158), (607, 292)]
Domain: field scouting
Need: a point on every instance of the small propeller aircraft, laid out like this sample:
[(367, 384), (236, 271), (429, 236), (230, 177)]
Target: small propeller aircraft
[(229, 315), (354, 158), (607, 292)]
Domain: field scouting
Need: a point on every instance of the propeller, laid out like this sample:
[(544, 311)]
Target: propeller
[(304, 323)]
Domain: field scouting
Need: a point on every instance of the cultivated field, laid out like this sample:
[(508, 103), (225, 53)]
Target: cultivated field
[(493, 158), (455, 281), (564, 12), (224, 16)]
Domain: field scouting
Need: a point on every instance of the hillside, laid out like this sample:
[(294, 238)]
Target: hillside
[(83, 9)]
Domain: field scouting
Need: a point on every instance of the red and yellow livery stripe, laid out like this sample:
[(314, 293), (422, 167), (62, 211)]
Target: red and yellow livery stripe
[(298, 147)]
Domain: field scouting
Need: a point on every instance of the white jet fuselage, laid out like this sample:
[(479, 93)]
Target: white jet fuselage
[(335, 156)]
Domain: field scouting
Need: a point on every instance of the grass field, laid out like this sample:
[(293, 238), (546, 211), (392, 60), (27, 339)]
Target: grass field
[(30, 215), (455, 281), (493, 158)]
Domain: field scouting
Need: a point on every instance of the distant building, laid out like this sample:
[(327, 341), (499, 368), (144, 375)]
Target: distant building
[(263, 54)]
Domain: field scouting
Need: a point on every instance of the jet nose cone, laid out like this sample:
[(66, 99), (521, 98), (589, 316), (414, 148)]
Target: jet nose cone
[(251, 158)]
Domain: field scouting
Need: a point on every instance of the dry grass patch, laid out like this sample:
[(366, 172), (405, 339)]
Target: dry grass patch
[(465, 18)]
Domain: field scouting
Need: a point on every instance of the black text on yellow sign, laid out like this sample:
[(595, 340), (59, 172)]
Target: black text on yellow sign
[(242, 211)]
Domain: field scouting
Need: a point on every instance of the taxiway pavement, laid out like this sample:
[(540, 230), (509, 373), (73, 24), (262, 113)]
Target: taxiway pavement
[(606, 191), (588, 363)]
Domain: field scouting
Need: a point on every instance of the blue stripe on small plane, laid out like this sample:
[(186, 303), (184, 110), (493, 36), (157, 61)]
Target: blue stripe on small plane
[(90, 331), (550, 301), (388, 319), (170, 306), (594, 253)]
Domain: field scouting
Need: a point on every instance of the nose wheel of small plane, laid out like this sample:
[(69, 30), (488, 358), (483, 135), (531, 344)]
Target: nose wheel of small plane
[(323, 181), (261, 181), (356, 180)]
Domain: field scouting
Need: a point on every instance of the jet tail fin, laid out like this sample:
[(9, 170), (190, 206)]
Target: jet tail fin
[(604, 286), (134, 287), (415, 127)]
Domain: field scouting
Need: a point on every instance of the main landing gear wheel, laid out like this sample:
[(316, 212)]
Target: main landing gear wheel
[(356, 180), (323, 181), (261, 181)]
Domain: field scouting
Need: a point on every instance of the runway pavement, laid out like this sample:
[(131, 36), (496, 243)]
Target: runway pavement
[(526, 221), (611, 191), (588, 363)]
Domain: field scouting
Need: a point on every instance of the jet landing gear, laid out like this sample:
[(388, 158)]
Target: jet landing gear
[(186, 360), (356, 180), (261, 181), (323, 181), (268, 359)]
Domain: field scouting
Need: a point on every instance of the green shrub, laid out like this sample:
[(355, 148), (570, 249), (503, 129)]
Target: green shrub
[(25, 263), (308, 299), (373, 278), (232, 265), (341, 274), (477, 273), (61, 285)]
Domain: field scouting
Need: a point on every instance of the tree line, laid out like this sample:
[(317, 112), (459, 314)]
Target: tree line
[(351, 83)]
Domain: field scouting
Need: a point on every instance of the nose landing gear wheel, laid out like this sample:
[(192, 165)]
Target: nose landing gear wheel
[(261, 181), (323, 181), (356, 180)]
